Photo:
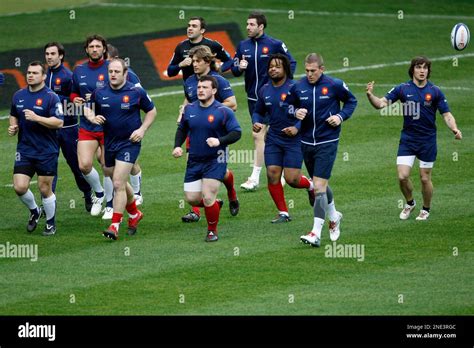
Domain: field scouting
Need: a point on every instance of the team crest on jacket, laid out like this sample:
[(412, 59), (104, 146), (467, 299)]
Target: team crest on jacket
[(125, 102), (283, 96), (57, 81), (101, 77), (324, 91), (265, 50), (39, 102), (428, 98), (210, 118)]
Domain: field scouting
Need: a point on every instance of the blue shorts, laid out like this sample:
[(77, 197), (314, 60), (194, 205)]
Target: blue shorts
[(210, 169), (285, 155), (128, 152), (424, 151), (320, 159), (29, 165)]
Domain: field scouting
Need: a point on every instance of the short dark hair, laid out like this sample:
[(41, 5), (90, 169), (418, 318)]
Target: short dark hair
[(260, 17), (200, 19), (112, 51), (97, 37), (60, 47), (38, 63), (418, 61), (284, 61), (213, 80)]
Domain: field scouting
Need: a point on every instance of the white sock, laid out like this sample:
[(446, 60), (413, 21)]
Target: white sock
[(311, 185), (284, 213), (317, 226), (93, 179), (108, 188), (49, 205), (136, 182), (28, 199), (256, 174), (332, 211)]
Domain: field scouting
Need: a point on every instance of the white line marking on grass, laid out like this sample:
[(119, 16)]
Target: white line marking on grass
[(343, 70), (393, 15), (455, 88)]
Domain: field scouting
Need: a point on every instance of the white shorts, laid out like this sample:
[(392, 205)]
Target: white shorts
[(409, 160), (194, 186)]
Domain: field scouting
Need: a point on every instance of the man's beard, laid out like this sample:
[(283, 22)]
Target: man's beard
[(277, 79)]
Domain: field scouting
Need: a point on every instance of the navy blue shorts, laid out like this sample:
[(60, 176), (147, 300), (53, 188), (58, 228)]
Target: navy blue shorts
[(126, 153), (285, 155), (29, 165), (210, 169), (320, 159), (424, 151)]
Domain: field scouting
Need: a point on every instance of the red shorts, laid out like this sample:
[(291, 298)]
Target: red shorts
[(84, 134)]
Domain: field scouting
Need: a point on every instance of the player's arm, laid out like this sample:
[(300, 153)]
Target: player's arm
[(223, 56), (139, 134), (90, 114), (259, 111), (231, 103), (451, 123), (376, 102), (180, 136), (48, 122), (294, 110), (349, 104), (13, 127), (181, 110), (236, 65)]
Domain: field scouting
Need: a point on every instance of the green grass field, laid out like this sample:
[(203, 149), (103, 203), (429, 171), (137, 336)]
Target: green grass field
[(257, 268)]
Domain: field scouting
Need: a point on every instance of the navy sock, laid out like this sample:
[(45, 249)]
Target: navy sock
[(412, 202), (427, 209)]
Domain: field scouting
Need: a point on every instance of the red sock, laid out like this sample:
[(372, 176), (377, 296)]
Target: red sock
[(199, 205), (229, 184), (117, 218), (132, 208), (304, 182), (276, 191), (197, 211), (212, 216)]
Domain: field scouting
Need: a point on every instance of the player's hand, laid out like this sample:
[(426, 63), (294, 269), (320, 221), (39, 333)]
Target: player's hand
[(213, 142), (370, 87), (177, 152), (98, 119), (290, 131), (137, 135), (243, 63), (88, 96), (12, 130), (186, 62), (79, 101), (300, 114), (30, 115), (457, 134), (334, 120), (257, 127)]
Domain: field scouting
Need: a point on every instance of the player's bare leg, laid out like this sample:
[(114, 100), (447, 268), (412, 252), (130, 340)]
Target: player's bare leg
[(406, 186), (259, 142), (108, 185), (427, 192), (86, 150), (295, 179), (212, 207), (45, 185), (21, 185)]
